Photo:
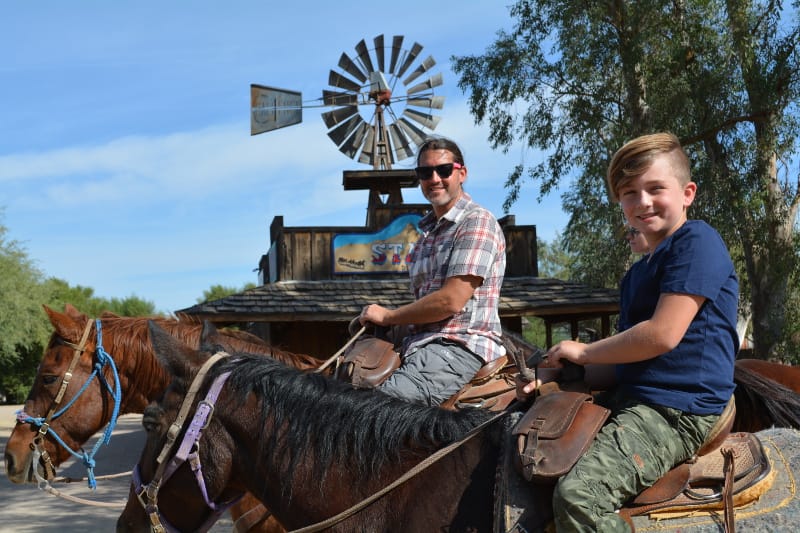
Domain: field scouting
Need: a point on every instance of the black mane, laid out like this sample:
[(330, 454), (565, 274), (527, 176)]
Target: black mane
[(327, 421)]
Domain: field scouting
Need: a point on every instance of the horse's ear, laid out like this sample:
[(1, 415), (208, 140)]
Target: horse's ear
[(72, 311), (178, 358), (209, 338), (109, 314), (66, 326)]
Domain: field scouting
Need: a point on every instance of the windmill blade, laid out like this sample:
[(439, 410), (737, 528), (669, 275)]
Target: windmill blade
[(337, 98), (434, 81), (431, 102), (416, 135), (397, 46), (363, 55), (346, 64), (353, 143), (412, 55), (379, 52), (332, 118), (337, 80), (367, 155), (423, 119), (424, 67), (401, 143), (341, 132)]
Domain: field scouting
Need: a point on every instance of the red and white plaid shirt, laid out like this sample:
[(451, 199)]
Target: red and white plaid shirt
[(466, 241)]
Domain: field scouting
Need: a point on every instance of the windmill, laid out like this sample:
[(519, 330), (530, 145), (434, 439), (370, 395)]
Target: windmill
[(394, 93), (382, 99)]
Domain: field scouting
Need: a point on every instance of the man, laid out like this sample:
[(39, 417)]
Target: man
[(456, 272)]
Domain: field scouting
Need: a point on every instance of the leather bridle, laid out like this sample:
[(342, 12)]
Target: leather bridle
[(103, 358), (188, 451)]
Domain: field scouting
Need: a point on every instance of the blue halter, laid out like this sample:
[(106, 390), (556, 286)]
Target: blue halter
[(103, 358)]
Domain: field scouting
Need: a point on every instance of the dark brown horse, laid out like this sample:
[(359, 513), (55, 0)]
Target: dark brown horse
[(141, 379), (310, 447)]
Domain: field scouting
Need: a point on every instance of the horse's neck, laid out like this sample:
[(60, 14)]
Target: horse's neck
[(142, 378), (317, 492)]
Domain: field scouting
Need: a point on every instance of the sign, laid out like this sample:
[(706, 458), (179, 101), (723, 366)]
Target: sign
[(388, 250), (272, 108)]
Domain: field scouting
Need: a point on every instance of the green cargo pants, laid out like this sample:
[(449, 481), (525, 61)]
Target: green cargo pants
[(634, 449)]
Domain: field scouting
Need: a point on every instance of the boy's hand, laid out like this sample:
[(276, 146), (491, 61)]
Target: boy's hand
[(526, 389), (569, 350)]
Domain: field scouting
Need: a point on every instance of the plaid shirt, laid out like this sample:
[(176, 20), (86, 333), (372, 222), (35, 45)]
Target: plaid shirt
[(466, 241)]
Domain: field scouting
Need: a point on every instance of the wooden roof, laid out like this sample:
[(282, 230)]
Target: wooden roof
[(343, 299)]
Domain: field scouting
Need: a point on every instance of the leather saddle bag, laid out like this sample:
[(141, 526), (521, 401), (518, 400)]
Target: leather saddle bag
[(368, 363), (554, 433)]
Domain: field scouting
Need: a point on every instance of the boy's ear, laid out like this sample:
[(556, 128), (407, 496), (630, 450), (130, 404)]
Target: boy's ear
[(689, 192)]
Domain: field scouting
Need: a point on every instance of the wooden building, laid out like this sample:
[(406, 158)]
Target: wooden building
[(309, 292)]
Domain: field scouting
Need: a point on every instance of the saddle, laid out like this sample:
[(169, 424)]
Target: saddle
[(371, 360), (368, 363), (730, 470), (492, 388)]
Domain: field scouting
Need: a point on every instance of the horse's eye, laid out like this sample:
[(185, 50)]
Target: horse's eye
[(49, 379), (151, 418)]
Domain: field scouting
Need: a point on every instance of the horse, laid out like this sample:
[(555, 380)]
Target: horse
[(141, 380), (309, 447), (322, 455), (760, 403)]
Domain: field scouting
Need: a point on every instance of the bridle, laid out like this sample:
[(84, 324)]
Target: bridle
[(188, 451), (43, 423)]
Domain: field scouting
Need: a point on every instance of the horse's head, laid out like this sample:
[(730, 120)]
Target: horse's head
[(164, 486), (67, 364)]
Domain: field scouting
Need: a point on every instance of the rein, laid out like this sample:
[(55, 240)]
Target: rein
[(103, 358), (187, 451), (419, 467)]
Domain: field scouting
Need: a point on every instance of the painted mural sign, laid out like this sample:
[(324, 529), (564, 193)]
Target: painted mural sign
[(388, 250)]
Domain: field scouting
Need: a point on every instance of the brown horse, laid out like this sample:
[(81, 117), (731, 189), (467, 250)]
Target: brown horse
[(141, 379), (313, 450), (310, 447)]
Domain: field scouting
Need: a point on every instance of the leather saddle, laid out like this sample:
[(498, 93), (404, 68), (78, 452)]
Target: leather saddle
[(372, 359), (491, 388), (730, 470)]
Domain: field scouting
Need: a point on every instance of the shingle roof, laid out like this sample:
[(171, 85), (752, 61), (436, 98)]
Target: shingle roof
[(337, 300)]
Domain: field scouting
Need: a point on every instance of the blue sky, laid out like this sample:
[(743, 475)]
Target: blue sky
[(126, 161)]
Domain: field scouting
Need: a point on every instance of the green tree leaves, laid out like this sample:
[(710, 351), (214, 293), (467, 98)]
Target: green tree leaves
[(575, 80)]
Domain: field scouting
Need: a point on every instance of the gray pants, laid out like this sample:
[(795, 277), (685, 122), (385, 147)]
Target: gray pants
[(432, 373), (638, 445)]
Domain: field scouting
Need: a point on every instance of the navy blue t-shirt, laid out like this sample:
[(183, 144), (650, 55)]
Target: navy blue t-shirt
[(697, 376)]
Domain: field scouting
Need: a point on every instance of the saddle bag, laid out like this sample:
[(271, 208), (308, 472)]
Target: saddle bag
[(554, 433), (368, 363)]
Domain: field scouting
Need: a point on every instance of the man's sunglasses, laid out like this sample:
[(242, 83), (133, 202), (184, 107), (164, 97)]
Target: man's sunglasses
[(444, 171)]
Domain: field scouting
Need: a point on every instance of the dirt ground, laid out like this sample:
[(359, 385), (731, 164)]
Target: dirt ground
[(26, 509)]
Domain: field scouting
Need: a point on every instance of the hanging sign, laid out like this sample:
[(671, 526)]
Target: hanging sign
[(388, 250)]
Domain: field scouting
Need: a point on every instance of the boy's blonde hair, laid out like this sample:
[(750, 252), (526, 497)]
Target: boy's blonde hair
[(636, 156)]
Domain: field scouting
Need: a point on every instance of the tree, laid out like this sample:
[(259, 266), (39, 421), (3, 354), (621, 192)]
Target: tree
[(724, 75), (554, 261), (23, 326), (215, 292)]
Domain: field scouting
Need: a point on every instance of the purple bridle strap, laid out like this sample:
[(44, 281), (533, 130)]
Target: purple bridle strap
[(189, 451)]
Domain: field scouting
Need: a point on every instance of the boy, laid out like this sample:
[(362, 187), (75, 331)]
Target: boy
[(673, 357)]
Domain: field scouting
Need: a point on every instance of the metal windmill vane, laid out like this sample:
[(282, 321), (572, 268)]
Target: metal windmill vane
[(382, 97)]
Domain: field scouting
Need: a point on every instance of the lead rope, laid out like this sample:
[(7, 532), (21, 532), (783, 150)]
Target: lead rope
[(335, 356), (422, 465)]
